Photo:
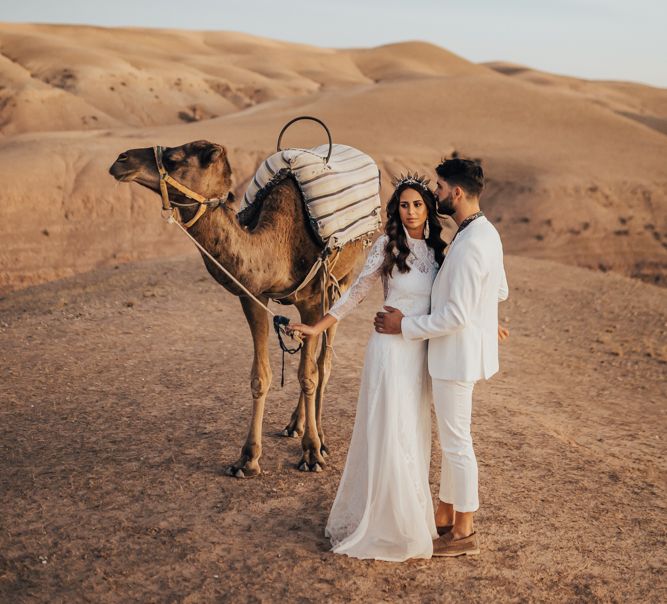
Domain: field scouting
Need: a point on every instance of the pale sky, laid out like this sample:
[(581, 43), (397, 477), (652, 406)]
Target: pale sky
[(597, 39)]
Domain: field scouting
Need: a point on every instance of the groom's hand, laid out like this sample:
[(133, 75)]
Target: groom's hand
[(388, 322)]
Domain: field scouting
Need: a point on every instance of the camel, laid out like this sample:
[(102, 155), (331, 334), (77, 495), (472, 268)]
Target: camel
[(269, 249)]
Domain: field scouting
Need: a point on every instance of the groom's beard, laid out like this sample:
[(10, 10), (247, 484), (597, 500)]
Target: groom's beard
[(446, 206)]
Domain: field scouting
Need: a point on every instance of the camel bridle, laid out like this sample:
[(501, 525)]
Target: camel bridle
[(168, 205)]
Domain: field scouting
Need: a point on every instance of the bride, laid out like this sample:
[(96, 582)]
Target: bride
[(383, 507)]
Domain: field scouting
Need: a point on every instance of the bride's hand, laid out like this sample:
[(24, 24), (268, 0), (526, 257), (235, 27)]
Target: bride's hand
[(301, 329), (503, 333)]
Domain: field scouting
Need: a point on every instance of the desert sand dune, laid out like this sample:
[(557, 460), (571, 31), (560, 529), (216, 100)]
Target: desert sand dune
[(576, 168), (74, 78), (645, 104)]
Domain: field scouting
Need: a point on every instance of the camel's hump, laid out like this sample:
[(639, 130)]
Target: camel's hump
[(342, 195)]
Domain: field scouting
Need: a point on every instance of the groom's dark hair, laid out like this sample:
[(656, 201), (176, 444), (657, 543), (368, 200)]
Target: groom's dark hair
[(464, 173)]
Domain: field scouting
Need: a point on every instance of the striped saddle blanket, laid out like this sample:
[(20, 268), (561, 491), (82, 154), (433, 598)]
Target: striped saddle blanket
[(342, 195)]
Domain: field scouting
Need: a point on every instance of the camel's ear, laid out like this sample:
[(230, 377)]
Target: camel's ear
[(211, 153)]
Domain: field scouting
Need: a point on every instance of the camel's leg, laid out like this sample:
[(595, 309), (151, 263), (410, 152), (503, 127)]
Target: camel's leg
[(308, 378), (298, 419), (296, 423), (324, 369), (248, 463)]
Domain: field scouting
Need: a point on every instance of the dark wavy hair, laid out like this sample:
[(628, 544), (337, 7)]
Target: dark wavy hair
[(396, 250)]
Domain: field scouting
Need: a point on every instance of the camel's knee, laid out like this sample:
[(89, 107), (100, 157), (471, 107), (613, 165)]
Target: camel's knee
[(259, 386), (308, 385)]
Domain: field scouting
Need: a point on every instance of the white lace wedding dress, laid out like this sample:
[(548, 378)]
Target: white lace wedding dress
[(383, 508)]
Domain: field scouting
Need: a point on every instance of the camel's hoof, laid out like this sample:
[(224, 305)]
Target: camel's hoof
[(232, 471), (246, 471), (304, 466)]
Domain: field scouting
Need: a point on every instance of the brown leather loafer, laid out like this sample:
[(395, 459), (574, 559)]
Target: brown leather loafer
[(443, 530), (448, 547)]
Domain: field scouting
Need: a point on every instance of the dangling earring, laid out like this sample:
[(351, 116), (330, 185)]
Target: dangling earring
[(426, 230)]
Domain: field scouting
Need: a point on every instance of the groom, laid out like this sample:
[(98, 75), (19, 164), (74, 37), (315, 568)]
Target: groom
[(463, 333)]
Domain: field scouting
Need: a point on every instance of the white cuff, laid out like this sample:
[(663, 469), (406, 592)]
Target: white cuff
[(407, 329)]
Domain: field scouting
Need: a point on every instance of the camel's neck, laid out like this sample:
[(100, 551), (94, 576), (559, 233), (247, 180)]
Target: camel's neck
[(261, 259)]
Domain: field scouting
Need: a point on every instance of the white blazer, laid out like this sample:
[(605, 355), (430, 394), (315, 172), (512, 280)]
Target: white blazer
[(462, 328)]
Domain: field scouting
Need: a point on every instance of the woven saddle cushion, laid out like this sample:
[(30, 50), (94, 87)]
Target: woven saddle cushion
[(342, 196)]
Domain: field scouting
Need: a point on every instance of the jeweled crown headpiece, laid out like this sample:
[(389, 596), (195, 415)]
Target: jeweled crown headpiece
[(411, 179)]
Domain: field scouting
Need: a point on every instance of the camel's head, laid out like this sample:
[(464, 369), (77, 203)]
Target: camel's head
[(201, 166)]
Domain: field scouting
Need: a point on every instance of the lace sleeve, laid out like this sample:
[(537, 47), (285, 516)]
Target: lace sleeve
[(360, 288)]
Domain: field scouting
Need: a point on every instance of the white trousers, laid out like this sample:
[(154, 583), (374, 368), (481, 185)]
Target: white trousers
[(453, 408)]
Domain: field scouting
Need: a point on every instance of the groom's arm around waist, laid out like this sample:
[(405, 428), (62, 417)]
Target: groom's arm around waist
[(464, 278)]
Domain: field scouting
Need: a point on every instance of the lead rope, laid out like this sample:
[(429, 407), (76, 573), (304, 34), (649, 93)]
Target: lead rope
[(222, 268), (279, 322)]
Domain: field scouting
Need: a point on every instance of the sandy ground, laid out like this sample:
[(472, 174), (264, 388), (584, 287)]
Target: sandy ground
[(123, 395)]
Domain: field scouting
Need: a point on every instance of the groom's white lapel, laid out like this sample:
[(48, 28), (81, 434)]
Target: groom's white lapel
[(440, 278)]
